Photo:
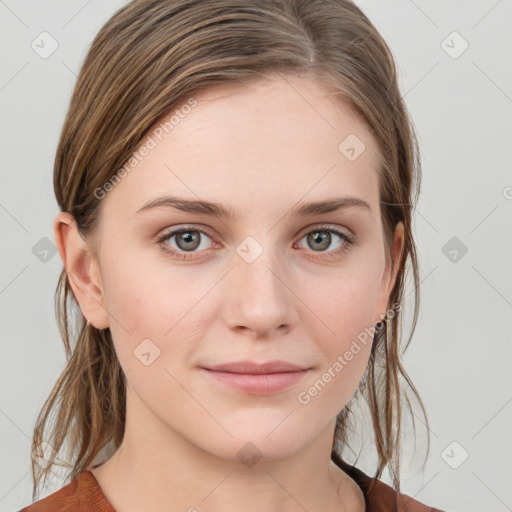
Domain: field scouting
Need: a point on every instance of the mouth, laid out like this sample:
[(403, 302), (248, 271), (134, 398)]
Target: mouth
[(257, 378)]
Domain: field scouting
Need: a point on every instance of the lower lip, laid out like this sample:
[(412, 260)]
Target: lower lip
[(258, 384)]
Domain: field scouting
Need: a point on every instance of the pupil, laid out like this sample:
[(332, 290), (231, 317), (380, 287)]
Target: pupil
[(189, 238), (320, 237)]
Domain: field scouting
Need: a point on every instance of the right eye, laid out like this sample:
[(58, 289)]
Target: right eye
[(187, 240)]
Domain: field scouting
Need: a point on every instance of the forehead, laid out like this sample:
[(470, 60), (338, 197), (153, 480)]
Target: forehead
[(276, 140)]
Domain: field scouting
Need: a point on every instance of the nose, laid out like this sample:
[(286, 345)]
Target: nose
[(259, 295)]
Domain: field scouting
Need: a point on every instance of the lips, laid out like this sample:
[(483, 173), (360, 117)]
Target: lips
[(257, 368), (257, 378)]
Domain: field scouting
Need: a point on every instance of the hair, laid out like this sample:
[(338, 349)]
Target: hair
[(149, 58)]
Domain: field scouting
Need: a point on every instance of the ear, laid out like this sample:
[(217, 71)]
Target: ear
[(82, 268), (391, 271)]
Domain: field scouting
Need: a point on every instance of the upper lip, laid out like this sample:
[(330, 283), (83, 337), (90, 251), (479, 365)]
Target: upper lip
[(257, 368)]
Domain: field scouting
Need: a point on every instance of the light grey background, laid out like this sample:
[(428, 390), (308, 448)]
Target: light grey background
[(461, 354)]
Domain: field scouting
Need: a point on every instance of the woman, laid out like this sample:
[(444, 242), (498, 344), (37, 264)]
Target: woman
[(236, 181)]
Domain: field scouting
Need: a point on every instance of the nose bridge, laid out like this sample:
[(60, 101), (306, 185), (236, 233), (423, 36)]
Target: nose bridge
[(261, 300)]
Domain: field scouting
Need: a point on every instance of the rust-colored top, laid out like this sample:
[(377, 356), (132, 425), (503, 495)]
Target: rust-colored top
[(84, 494)]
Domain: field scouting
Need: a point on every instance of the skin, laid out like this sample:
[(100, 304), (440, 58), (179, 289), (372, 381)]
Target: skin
[(258, 150)]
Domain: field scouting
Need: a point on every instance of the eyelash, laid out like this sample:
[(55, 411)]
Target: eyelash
[(348, 241)]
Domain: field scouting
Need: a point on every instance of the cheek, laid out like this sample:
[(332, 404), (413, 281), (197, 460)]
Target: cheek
[(345, 303), (343, 327), (345, 354), (150, 302)]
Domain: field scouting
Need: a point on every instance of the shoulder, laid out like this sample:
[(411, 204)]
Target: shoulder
[(82, 494), (379, 496)]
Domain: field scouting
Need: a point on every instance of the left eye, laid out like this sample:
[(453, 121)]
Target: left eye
[(321, 239)]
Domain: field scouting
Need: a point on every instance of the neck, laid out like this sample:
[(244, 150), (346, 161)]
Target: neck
[(157, 468)]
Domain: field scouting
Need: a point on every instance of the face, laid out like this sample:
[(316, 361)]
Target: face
[(272, 280)]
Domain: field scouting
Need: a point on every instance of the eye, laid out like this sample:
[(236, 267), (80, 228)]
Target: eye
[(187, 240), (321, 238)]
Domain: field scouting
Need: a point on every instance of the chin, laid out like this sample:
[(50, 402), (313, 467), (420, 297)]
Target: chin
[(258, 437)]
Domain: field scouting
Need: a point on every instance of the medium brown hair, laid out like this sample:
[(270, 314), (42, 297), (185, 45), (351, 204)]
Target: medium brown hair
[(149, 58)]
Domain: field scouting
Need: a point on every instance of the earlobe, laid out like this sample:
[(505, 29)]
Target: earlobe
[(82, 269)]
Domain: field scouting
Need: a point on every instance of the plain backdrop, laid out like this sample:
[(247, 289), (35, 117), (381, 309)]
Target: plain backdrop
[(454, 63)]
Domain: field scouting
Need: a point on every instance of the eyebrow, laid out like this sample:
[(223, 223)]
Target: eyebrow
[(219, 211)]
